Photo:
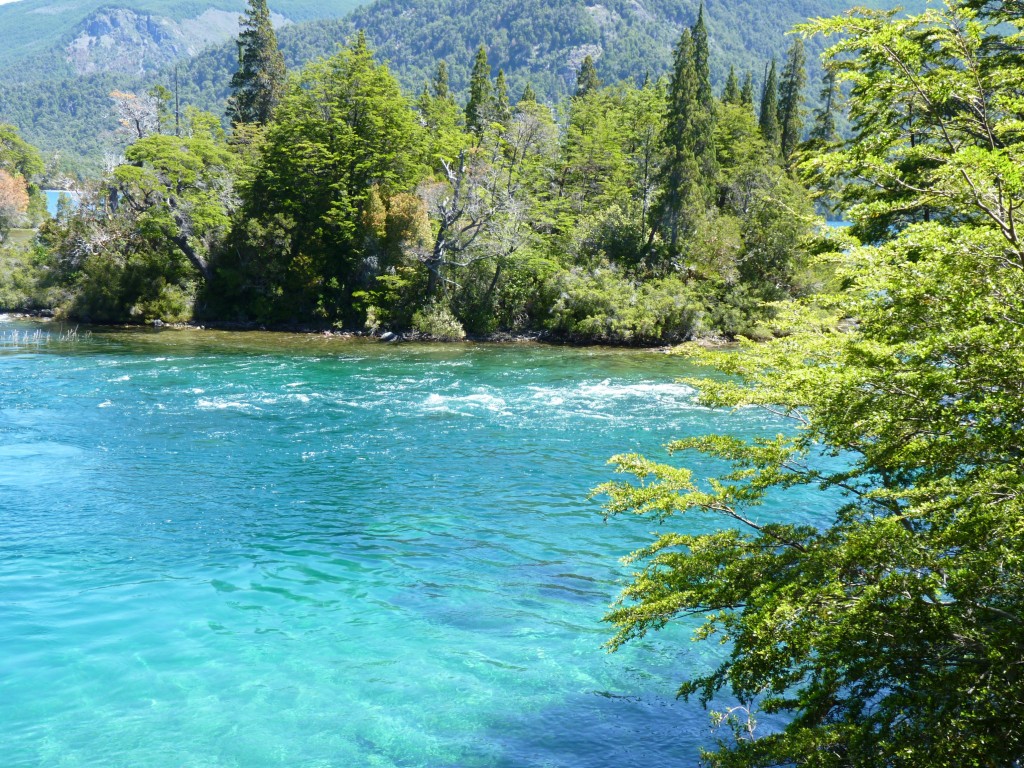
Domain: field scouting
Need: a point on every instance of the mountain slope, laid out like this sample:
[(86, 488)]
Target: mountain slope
[(63, 105), (32, 27)]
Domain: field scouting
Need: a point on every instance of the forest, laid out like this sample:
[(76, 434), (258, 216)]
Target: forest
[(638, 214)]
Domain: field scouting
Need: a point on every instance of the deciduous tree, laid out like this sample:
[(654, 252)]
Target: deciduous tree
[(888, 627)]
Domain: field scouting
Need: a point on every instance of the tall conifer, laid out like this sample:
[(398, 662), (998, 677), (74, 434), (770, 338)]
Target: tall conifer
[(824, 118), (703, 118), (702, 61), (440, 85), (731, 93), (259, 82), (502, 106), (747, 91), (769, 117), (791, 98), (480, 107), (587, 79), (680, 171)]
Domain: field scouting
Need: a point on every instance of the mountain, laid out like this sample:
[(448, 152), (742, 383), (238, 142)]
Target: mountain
[(57, 92), (31, 31)]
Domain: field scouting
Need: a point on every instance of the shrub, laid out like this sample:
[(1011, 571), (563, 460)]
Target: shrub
[(437, 322), (604, 305)]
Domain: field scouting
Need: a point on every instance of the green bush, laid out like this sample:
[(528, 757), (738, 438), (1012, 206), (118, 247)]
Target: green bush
[(24, 278), (603, 305), (438, 322)]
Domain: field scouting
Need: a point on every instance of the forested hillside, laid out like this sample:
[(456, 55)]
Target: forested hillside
[(541, 43), (32, 27)]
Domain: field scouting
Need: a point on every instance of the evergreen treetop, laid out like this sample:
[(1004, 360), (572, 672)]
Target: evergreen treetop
[(747, 91), (731, 92), (587, 79), (769, 114), (480, 107), (791, 99), (258, 84)]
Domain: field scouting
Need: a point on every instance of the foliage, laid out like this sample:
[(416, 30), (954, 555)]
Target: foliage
[(343, 144), (791, 99), (629, 215), (257, 85), (23, 273), (890, 633), (540, 43), (438, 322), (606, 306), (13, 201)]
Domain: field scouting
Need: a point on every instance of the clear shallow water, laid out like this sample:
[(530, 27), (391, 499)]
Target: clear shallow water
[(254, 550)]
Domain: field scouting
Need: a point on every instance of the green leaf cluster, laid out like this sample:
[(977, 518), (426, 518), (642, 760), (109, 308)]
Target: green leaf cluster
[(890, 634)]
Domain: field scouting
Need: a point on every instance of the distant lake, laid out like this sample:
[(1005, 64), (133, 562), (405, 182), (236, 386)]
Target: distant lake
[(52, 198), (281, 551)]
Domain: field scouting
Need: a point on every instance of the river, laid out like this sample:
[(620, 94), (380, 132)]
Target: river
[(269, 550)]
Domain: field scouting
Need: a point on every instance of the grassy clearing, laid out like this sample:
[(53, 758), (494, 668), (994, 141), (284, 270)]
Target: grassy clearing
[(20, 236)]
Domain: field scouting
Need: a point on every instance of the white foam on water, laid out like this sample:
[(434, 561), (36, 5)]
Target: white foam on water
[(220, 404), (461, 403), (105, 404)]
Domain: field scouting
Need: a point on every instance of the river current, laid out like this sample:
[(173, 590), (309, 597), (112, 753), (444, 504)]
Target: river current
[(249, 550)]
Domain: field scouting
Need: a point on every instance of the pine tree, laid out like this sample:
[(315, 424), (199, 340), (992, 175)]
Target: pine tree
[(587, 79), (824, 118), (702, 62), (703, 118), (529, 95), (480, 107), (502, 106), (769, 118), (731, 93), (258, 84), (791, 98), (680, 172), (747, 91), (440, 85)]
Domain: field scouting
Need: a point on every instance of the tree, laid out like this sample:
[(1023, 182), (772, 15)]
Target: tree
[(343, 143), (502, 106), (20, 160), (587, 79), (259, 82), (443, 119), (689, 172), (13, 201), (702, 62), (747, 91), (679, 182), (178, 189), (137, 116), (791, 99), (440, 84), (480, 107), (731, 93), (824, 129), (769, 113), (887, 629)]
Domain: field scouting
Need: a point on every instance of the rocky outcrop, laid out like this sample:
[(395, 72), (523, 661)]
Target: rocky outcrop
[(130, 42)]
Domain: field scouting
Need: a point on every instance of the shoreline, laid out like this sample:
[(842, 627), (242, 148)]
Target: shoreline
[(384, 337)]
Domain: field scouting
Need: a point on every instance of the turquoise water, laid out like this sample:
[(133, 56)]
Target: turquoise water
[(255, 550)]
